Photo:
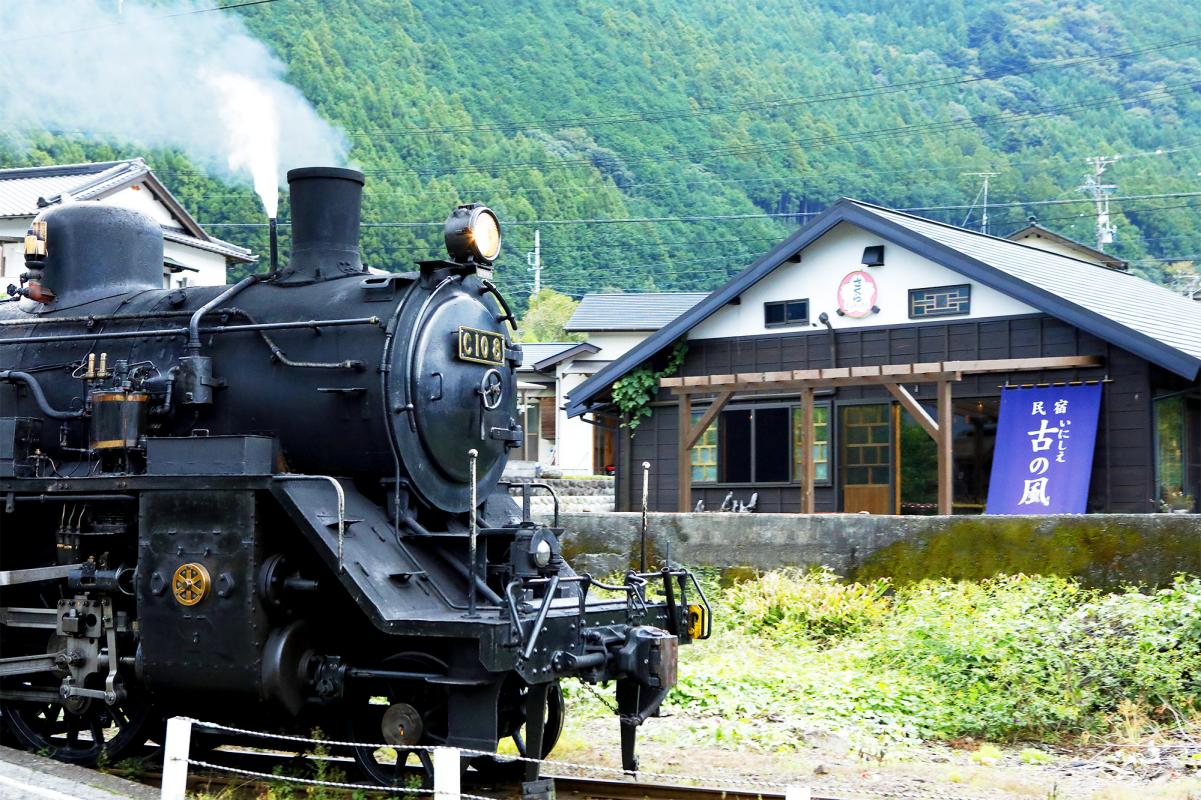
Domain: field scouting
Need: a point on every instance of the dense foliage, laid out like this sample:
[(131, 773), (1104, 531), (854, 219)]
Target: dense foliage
[(1011, 658), (634, 391), (611, 110), (545, 317)]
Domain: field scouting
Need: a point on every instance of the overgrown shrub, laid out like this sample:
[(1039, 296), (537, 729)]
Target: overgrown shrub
[(1009, 658), (813, 605)]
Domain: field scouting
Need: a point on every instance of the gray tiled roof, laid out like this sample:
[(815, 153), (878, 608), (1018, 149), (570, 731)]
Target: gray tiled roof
[(21, 189), (632, 311), (24, 191)]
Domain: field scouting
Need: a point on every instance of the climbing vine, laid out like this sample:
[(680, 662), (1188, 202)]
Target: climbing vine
[(633, 393)]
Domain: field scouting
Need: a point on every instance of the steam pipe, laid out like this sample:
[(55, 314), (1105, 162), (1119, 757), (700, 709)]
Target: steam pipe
[(194, 323), (13, 376), (273, 237)]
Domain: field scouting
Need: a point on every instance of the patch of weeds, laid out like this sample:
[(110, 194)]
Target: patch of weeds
[(1035, 757)]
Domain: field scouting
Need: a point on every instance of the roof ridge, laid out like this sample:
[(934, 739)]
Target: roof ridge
[(635, 294), (61, 170), (874, 207)]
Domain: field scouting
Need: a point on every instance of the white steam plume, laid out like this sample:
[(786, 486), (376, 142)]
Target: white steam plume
[(152, 76)]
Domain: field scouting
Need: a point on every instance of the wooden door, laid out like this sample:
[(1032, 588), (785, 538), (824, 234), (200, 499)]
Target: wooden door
[(865, 458)]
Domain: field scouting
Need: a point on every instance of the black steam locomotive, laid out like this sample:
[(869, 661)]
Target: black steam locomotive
[(279, 504)]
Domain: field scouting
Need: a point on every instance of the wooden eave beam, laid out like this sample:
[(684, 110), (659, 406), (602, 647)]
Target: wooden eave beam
[(915, 409), (698, 430), (923, 372)]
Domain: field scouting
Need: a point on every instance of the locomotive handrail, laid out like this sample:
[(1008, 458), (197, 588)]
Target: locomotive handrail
[(260, 326), (489, 286), (341, 507)]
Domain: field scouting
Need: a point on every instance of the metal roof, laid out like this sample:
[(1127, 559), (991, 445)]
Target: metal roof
[(1132, 313), (633, 311), (25, 191), (535, 352), (581, 349), (22, 189)]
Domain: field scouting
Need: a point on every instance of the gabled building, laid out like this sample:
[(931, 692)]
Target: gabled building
[(191, 257), (1036, 235), (862, 297), (612, 323)]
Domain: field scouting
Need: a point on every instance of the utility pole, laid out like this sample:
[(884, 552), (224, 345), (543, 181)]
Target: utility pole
[(1100, 193), (983, 193), (534, 259)]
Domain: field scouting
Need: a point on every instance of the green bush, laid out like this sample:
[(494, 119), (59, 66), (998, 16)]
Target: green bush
[(811, 605), (1038, 656), (1018, 657)]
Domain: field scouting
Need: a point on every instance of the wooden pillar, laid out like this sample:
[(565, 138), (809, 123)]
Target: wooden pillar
[(808, 467), (946, 461), (684, 478)]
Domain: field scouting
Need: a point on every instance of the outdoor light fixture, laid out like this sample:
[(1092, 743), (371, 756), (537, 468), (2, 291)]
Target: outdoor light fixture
[(472, 233), (873, 256)]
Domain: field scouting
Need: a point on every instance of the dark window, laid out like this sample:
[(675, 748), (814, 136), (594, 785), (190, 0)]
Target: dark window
[(940, 301), (771, 445), (786, 312), (734, 459), (760, 446)]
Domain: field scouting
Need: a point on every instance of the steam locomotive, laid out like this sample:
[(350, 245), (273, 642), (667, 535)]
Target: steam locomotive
[(279, 505)]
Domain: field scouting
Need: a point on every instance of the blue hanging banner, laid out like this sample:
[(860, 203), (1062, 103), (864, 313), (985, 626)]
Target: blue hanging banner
[(1044, 453)]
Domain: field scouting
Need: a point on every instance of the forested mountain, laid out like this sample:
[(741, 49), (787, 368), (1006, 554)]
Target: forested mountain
[(613, 110)]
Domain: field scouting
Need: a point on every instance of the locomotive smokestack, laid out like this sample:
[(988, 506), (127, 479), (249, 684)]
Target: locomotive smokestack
[(325, 202)]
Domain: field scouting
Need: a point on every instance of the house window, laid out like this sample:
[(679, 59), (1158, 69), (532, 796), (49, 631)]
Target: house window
[(821, 443), (1170, 455), (786, 312), (759, 445), (940, 301), (704, 452)]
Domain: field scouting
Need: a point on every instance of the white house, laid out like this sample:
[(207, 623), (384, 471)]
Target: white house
[(614, 323), (191, 257)]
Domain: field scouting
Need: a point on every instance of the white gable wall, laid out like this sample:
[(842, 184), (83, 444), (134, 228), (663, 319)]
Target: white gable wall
[(1052, 246), (137, 197), (823, 265)]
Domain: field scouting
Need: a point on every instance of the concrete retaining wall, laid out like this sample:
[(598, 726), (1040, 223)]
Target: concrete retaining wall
[(1102, 550)]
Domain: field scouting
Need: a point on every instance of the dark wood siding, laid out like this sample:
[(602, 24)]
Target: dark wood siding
[(1123, 468)]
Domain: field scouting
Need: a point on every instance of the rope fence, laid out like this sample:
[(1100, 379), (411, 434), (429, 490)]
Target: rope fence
[(447, 769), (446, 766)]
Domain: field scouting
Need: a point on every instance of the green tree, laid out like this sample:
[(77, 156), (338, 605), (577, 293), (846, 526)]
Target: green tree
[(548, 312)]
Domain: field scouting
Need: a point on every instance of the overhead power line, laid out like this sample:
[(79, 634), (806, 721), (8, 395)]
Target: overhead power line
[(784, 102), (813, 142), (188, 13), (727, 217)]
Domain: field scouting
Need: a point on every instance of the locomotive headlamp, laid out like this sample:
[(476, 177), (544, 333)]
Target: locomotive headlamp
[(537, 551), (472, 234), (542, 553)]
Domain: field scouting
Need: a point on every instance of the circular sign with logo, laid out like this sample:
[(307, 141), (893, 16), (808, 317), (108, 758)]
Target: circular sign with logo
[(857, 294)]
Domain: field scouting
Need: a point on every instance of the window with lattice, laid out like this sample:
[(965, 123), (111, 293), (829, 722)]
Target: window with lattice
[(704, 452), (821, 443)]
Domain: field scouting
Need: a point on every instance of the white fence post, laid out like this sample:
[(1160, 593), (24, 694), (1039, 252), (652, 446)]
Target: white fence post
[(447, 774), (796, 793), (175, 758)]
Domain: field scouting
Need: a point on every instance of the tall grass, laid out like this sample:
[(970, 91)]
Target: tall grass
[(1010, 658)]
